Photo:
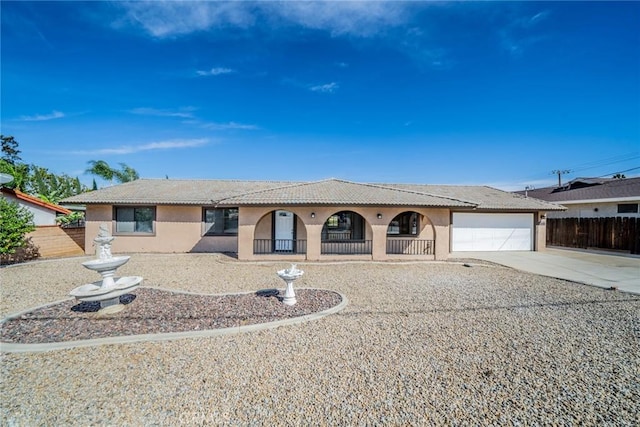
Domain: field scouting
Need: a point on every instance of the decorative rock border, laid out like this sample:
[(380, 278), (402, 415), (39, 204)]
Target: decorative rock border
[(251, 305)]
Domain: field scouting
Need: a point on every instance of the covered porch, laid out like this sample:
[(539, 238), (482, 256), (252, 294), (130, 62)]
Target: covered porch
[(343, 233)]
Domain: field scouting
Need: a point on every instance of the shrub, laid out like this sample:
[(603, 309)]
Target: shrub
[(15, 222), (73, 217)]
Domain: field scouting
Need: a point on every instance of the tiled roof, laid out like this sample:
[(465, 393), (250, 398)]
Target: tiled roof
[(173, 192), (589, 189), (482, 197), (326, 192), (35, 201), (339, 192)]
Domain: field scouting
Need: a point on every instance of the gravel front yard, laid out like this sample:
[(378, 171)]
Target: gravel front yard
[(418, 344)]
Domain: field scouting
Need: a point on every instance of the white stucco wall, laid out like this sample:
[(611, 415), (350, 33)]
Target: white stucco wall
[(588, 210), (41, 216)]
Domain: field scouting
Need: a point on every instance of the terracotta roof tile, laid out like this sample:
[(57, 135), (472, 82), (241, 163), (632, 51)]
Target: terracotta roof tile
[(36, 201)]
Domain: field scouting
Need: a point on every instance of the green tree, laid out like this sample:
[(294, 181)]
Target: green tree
[(36, 180), (10, 149), (126, 173), (19, 172), (101, 169), (51, 187), (11, 165), (15, 222)]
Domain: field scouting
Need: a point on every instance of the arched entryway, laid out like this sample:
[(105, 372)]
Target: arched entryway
[(410, 233), (280, 232), (345, 233)]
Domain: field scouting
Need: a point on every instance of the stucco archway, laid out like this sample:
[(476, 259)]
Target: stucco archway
[(268, 236), (410, 232)]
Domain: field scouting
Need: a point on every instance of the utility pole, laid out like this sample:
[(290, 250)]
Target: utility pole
[(560, 172)]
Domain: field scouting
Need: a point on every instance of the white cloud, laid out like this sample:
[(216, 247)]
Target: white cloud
[(229, 126), (325, 88), (519, 34), (185, 113), (152, 146), (190, 119), (42, 117), (171, 18), (355, 18), (536, 18), (164, 19), (215, 71)]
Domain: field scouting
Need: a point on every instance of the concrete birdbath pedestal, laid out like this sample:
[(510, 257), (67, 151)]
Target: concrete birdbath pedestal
[(108, 290), (289, 275)]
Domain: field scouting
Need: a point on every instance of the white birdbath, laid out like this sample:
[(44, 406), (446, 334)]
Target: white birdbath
[(108, 290), (289, 275)]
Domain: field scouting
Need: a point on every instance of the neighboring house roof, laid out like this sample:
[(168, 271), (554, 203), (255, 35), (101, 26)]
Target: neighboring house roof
[(325, 192), (482, 197), (35, 201), (584, 190)]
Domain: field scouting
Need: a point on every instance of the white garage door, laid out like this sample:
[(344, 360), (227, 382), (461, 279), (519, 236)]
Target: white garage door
[(492, 232)]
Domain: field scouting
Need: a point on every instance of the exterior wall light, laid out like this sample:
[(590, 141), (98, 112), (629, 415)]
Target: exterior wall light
[(313, 214), (379, 216)]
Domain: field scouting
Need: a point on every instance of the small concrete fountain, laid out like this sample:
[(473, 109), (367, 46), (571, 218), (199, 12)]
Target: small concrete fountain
[(108, 290), (289, 275)]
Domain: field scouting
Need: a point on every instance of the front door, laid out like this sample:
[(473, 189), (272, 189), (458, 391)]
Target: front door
[(284, 221)]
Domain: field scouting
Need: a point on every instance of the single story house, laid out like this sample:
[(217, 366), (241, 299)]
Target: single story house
[(321, 220), (44, 213), (48, 239), (593, 198)]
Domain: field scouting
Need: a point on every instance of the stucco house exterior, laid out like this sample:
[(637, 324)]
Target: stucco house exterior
[(48, 239), (593, 198), (44, 213), (321, 220)]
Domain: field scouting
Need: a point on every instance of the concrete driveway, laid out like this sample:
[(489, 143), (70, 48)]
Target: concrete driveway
[(592, 268)]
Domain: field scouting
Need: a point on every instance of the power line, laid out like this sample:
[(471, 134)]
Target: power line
[(607, 161), (614, 173), (593, 164)]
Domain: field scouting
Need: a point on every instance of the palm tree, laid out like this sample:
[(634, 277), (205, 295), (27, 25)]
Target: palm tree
[(101, 169), (125, 174)]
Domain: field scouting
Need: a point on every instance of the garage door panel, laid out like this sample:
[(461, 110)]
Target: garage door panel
[(492, 232)]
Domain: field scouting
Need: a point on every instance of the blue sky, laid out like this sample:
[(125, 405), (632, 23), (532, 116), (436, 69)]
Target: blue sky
[(488, 93)]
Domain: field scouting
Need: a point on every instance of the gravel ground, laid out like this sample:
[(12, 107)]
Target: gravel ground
[(418, 344), (152, 311)]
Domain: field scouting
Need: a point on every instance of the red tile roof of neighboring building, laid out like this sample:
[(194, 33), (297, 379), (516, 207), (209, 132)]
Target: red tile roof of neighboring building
[(35, 201)]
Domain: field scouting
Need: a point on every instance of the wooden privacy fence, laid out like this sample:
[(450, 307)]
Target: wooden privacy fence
[(54, 241), (602, 233)]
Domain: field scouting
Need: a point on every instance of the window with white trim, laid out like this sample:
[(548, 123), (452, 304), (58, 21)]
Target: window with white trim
[(625, 208)]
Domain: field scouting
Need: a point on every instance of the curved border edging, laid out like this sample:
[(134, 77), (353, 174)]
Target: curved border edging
[(167, 336)]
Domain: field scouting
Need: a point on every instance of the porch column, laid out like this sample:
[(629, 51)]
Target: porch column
[(314, 241), (245, 241), (441, 227), (379, 249)]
